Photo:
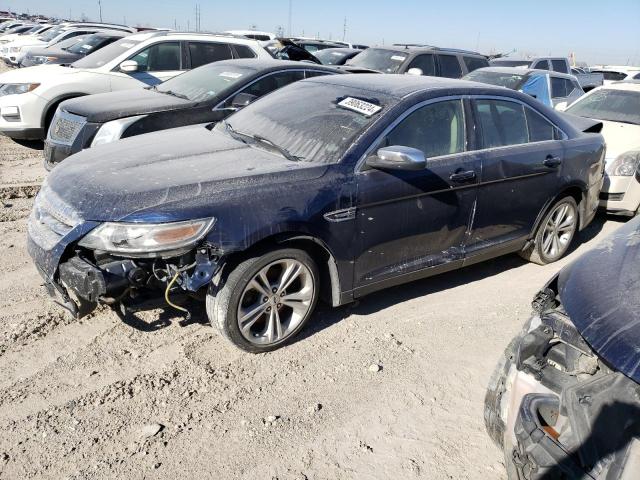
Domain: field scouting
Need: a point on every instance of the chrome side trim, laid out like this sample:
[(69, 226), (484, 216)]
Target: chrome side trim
[(341, 215)]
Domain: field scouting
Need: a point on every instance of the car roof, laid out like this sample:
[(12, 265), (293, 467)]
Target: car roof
[(525, 71), (143, 36), (342, 49), (418, 48), (400, 86), (267, 64)]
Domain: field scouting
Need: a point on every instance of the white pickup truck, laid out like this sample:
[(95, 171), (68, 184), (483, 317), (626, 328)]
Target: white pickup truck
[(587, 81)]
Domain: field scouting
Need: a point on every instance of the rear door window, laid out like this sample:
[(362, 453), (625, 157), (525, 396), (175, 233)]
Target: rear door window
[(165, 56), (559, 87), (242, 51), (449, 66), (540, 129), (541, 65), (559, 65), (436, 129), (207, 52), (502, 123), (473, 63), (426, 63)]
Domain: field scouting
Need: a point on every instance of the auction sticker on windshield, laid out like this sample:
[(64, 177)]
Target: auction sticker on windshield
[(365, 108)]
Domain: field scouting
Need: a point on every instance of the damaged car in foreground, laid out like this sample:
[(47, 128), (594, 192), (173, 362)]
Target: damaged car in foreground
[(336, 186), (564, 401)]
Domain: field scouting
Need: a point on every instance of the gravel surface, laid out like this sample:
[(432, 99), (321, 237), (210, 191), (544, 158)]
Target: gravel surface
[(390, 387)]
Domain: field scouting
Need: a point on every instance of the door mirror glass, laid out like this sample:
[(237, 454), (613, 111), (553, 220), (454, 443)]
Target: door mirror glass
[(129, 66), (242, 100), (398, 157)]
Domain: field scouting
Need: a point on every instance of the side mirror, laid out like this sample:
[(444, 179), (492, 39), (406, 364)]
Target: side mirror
[(398, 157), (129, 66), (415, 71), (242, 100)]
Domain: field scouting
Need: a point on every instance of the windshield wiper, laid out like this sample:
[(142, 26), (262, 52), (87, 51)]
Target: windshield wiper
[(173, 94), (259, 139)]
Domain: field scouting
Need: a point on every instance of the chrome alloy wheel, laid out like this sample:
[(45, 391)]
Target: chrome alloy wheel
[(275, 302), (559, 230)]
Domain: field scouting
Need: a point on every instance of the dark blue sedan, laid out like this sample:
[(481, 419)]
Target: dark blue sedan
[(332, 187)]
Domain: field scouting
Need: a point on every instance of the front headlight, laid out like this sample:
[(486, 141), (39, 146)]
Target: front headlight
[(15, 49), (17, 88), (41, 59), (624, 165), (146, 238), (112, 131)]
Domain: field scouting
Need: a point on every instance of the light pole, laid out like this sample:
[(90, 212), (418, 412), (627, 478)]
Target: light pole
[(100, 8)]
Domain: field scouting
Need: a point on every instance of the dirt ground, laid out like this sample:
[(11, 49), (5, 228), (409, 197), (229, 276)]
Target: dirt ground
[(148, 398)]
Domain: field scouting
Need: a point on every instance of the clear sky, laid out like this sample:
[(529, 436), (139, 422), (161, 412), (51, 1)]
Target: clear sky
[(605, 31)]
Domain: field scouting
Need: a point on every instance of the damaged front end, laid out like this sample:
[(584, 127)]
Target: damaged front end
[(86, 263), (557, 408)]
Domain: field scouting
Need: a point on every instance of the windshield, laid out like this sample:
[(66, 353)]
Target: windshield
[(65, 44), (509, 80), (106, 54), (51, 34), (87, 44), (386, 61), (204, 82), (305, 119), (331, 57), (608, 104)]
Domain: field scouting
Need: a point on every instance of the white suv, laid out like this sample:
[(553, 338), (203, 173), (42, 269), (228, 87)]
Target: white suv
[(29, 96)]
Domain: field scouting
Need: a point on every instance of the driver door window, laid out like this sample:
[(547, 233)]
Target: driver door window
[(426, 63), (160, 57)]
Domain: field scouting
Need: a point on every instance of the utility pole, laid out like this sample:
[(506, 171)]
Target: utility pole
[(290, 15), (344, 30), (100, 8)]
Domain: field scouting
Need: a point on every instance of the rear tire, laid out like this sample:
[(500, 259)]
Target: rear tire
[(265, 300), (554, 234)]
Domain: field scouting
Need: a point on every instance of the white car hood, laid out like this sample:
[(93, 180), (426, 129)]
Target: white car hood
[(22, 41), (37, 74), (620, 138)]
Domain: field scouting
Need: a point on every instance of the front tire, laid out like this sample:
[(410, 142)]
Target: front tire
[(555, 233), (265, 300)]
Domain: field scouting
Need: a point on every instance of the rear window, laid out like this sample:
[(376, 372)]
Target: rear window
[(206, 52), (473, 63), (449, 66), (242, 51), (559, 66)]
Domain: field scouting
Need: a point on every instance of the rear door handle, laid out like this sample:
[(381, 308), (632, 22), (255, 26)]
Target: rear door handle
[(463, 177), (552, 162)]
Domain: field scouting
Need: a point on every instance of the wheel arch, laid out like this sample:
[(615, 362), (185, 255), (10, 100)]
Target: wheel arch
[(575, 190), (330, 283), (50, 108)]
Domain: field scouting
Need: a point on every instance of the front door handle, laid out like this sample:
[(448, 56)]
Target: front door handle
[(463, 177), (552, 162)]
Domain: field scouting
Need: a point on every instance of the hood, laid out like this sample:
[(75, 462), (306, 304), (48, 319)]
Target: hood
[(31, 75), (620, 138), (172, 175), (52, 52), (104, 107), (601, 294)]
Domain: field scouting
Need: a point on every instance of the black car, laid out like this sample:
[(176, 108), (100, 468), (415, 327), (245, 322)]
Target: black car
[(60, 54), (418, 60), (205, 94), (336, 56), (564, 400), (333, 187)]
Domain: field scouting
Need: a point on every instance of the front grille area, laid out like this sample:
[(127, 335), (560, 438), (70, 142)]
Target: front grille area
[(65, 127), (50, 219), (613, 197)]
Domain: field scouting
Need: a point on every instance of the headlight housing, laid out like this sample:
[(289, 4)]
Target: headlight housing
[(40, 59), (624, 165), (146, 239), (112, 131), (17, 88)]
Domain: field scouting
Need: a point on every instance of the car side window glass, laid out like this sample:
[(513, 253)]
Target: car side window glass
[(540, 129), (160, 57), (558, 88), (449, 66), (204, 52), (242, 51), (436, 129), (541, 65), (270, 83), (473, 63), (559, 66), (426, 63), (502, 123)]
